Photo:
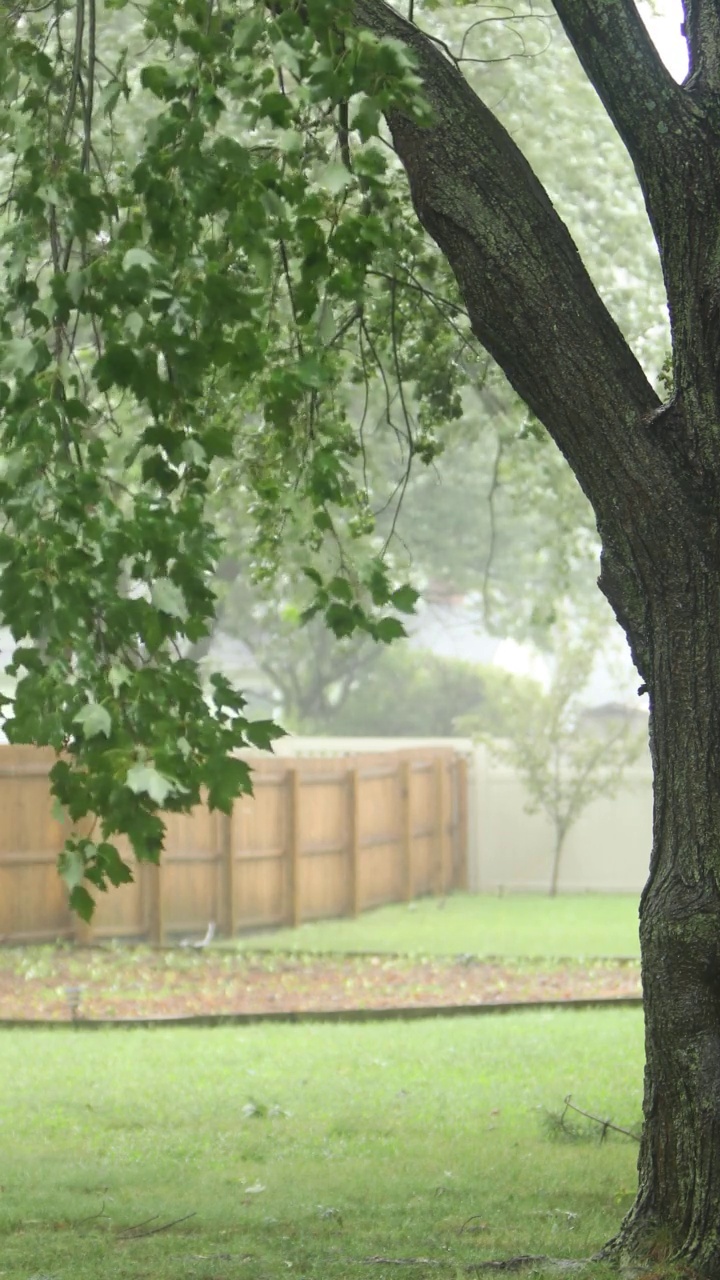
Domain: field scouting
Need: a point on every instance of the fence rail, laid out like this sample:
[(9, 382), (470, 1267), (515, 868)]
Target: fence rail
[(319, 838)]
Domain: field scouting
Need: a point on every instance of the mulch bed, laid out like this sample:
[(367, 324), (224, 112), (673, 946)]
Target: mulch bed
[(63, 983)]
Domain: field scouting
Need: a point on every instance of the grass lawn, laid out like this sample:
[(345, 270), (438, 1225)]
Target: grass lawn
[(586, 925), (304, 1150)]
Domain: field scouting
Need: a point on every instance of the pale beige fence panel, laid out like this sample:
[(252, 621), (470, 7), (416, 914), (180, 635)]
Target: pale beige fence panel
[(190, 871), (33, 899), (321, 837), (323, 840), (380, 834), (260, 833), (425, 856), (121, 912)]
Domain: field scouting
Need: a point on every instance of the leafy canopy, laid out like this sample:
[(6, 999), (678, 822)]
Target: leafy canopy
[(198, 216), (211, 279)]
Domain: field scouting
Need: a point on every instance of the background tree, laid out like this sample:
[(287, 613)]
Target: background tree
[(407, 692)]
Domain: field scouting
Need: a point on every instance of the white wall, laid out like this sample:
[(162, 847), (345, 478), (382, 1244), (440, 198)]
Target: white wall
[(607, 851), (510, 850)]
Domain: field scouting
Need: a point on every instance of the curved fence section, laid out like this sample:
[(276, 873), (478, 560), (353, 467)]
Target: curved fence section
[(320, 837)]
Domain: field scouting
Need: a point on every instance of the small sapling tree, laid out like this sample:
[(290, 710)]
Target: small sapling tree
[(545, 734)]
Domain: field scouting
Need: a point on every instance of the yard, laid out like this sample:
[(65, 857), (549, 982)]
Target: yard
[(325, 1151), (580, 926)]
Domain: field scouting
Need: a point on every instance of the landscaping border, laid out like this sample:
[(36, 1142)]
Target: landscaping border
[(402, 1013)]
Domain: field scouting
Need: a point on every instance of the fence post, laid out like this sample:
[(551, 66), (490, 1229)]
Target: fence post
[(440, 826), (353, 783), (82, 931), (406, 830), (293, 846), (156, 922), (226, 870), (462, 841)]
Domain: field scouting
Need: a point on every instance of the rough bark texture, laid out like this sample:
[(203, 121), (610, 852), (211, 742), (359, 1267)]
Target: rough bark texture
[(652, 473), (679, 1167)]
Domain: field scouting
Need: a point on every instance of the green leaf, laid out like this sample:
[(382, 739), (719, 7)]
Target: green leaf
[(134, 324), (168, 598), (71, 865), (262, 733), (343, 619), (75, 283), (227, 778), (405, 599), (158, 80), (389, 629), (137, 257), (82, 904), (19, 355), (118, 675), (341, 589), (94, 719), (145, 779), (112, 865)]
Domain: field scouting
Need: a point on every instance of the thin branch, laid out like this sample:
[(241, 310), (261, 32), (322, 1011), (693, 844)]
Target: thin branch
[(515, 17), (90, 91), (343, 133), (616, 1128), (77, 63), (132, 1233), (91, 1217), (492, 540), (702, 32), (636, 89), (476, 195), (291, 296)]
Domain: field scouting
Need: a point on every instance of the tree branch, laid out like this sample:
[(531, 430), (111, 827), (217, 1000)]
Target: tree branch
[(649, 110), (529, 297), (702, 31)]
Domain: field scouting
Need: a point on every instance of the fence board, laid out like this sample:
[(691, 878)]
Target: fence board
[(320, 837)]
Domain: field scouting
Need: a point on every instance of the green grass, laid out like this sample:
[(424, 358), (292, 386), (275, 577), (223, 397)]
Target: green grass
[(302, 1150), (586, 925)]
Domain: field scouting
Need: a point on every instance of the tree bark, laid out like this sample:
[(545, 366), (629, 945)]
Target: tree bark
[(678, 1200), (652, 474)]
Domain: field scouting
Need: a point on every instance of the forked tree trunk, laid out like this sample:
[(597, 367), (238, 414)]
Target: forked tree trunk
[(678, 1203), (652, 474)]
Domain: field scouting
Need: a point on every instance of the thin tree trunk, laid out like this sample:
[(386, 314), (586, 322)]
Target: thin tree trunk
[(557, 854)]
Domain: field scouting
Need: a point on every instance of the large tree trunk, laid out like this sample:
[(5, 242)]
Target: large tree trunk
[(678, 1202), (652, 474)]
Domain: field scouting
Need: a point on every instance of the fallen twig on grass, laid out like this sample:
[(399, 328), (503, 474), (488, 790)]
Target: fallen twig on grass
[(132, 1233), (519, 1263), (405, 1262), (91, 1216), (215, 1257), (524, 1260), (475, 1217), (604, 1124)]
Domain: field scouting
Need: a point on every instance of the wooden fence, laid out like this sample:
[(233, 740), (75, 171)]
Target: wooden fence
[(319, 838)]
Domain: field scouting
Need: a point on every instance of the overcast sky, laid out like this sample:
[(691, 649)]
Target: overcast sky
[(664, 27)]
